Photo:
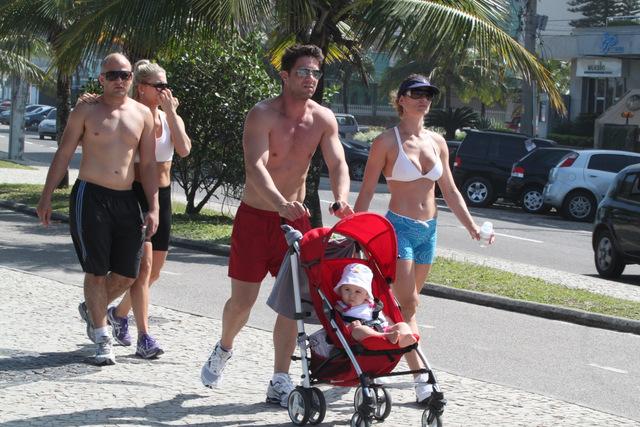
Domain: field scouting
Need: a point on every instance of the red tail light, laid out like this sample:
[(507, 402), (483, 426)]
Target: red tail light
[(568, 161), (457, 162), (517, 171)]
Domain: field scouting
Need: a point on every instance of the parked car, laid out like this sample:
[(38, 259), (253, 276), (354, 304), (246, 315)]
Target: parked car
[(348, 125), (5, 116), (529, 176), (5, 105), (581, 180), (483, 163), (47, 127), (33, 118), (616, 232), (453, 146), (356, 154)]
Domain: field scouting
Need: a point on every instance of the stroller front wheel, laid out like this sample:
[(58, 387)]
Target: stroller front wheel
[(299, 406), (431, 419), (318, 406), (382, 401)]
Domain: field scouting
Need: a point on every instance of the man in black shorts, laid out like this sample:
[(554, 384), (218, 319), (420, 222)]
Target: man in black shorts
[(107, 226)]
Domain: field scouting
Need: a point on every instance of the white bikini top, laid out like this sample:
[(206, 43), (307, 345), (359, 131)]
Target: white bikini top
[(164, 146), (405, 170)]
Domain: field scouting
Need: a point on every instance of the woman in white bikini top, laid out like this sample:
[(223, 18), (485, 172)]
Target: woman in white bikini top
[(412, 160)]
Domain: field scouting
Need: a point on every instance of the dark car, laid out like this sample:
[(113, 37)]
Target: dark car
[(529, 176), (356, 154), (33, 118), (483, 163), (616, 231), (453, 146)]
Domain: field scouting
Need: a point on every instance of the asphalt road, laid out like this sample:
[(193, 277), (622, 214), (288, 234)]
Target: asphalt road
[(592, 367)]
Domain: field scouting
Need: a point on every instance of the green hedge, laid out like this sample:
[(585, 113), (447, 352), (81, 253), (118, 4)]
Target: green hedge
[(572, 140)]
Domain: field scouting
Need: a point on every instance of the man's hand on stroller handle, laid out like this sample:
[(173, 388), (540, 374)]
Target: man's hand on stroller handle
[(340, 209), (292, 210)]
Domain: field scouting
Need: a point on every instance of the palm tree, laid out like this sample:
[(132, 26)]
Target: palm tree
[(341, 28)]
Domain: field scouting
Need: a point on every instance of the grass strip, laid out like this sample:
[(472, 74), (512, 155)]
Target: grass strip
[(8, 164), (211, 226)]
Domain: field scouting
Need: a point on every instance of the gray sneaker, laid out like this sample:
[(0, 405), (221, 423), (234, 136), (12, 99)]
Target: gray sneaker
[(279, 389), (104, 351), (211, 373), (84, 314)]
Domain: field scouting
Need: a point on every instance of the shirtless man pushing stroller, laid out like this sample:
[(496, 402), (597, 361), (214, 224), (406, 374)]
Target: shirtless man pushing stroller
[(280, 137)]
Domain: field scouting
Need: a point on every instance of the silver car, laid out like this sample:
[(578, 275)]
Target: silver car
[(581, 179), (47, 127)]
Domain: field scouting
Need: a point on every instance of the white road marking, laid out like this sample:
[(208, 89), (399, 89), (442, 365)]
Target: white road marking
[(170, 273), (427, 326), (512, 237), (326, 201), (609, 368)]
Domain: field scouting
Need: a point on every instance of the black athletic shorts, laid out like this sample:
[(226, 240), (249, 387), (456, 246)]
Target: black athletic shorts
[(160, 240), (106, 228)]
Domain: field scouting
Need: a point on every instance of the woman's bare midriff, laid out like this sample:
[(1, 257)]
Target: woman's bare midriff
[(414, 199), (164, 173)]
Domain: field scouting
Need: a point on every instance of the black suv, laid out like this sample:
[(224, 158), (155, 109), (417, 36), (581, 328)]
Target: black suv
[(616, 232), (356, 154), (484, 160), (529, 176)]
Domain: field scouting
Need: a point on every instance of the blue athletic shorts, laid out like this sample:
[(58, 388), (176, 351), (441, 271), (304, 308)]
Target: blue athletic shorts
[(416, 239)]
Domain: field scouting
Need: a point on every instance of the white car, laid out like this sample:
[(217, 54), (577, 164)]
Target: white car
[(47, 127), (581, 180)]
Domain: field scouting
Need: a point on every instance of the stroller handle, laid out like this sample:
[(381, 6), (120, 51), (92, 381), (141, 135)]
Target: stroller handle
[(291, 235)]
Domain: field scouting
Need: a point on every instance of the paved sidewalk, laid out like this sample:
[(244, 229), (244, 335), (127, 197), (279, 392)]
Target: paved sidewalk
[(46, 376)]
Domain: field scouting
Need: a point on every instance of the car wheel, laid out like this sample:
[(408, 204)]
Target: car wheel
[(532, 200), (356, 170), (477, 192), (579, 206), (608, 261)]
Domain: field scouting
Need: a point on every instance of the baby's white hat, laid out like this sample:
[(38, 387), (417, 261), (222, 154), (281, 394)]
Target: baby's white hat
[(356, 274)]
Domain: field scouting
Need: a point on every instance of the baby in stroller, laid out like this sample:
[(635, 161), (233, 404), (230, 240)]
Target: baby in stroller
[(362, 312)]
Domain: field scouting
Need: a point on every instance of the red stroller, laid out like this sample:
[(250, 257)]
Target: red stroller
[(366, 238)]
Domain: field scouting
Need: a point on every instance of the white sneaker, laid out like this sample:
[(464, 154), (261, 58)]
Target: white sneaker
[(211, 373), (423, 389), (279, 388), (104, 351)]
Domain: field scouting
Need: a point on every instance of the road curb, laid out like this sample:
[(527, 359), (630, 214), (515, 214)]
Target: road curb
[(535, 309)]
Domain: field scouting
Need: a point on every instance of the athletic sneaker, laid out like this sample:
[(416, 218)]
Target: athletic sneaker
[(211, 373), (148, 347), (423, 389), (104, 351), (279, 388), (119, 327), (84, 314)]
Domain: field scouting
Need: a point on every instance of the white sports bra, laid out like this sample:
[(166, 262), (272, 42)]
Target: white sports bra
[(405, 170), (164, 146)]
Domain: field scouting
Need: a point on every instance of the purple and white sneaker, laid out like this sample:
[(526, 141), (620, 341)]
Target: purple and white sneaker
[(119, 327), (148, 347)]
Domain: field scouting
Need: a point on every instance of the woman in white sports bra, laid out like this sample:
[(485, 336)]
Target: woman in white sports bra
[(150, 88), (412, 160)]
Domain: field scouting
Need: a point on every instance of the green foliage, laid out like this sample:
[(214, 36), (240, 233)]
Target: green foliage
[(451, 120), (217, 82), (369, 135), (596, 12), (572, 140)]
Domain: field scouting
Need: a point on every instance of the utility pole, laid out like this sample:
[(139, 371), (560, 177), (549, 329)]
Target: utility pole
[(527, 124)]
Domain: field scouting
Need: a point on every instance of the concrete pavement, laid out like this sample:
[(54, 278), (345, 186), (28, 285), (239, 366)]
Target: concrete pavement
[(46, 376)]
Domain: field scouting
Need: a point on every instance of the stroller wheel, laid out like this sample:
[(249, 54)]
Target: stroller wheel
[(431, 419), (382, 401), (357, 420), (299, 406), (318, 406)]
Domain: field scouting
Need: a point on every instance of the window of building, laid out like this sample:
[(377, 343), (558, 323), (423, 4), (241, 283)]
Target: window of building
[(602, 93)]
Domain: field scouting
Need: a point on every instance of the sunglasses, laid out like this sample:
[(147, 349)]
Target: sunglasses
[(417, 94), (159, 86), (306, 72), (115, 75)]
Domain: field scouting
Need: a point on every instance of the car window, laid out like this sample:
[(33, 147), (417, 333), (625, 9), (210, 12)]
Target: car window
[(510, 148), (52, 114), (630, 187), (551, 158), (611, 162)]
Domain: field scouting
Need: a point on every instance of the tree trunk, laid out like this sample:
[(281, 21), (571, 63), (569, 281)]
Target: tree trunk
[(19, 91), (63, 95), (483, 110)]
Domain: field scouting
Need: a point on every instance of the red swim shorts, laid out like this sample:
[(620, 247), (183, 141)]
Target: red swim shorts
[(258, 245)]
